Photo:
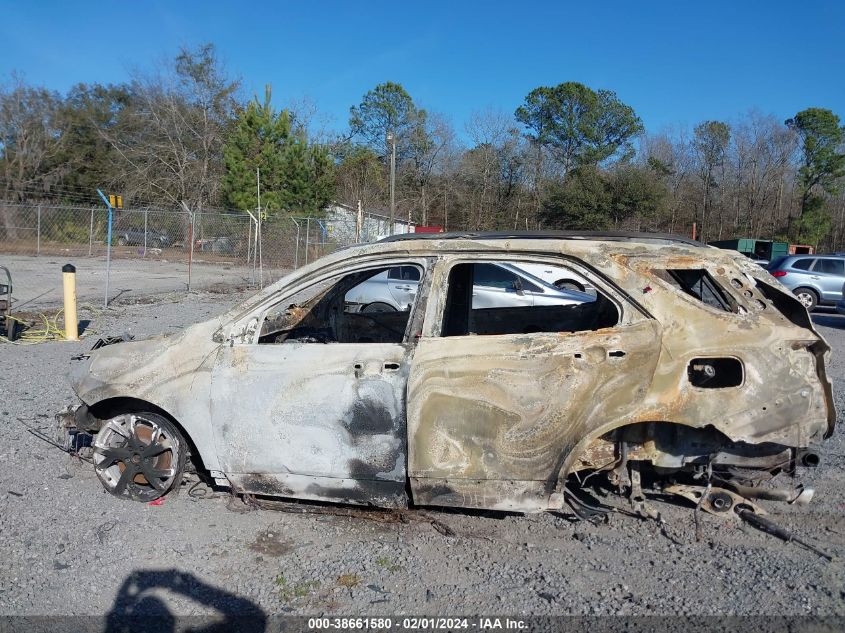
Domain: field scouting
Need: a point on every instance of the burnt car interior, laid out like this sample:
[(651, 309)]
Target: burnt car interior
[(319, 314), (461, 318)]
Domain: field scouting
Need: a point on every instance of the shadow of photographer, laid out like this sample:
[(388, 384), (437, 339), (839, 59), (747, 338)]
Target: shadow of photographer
[(140, 605)]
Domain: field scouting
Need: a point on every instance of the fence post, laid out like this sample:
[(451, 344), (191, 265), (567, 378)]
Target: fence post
[(108, 247), (191, 256), (38, 238), (146, 211), (296, 255), (255, 246), (307, 232), (190, 239), (260, 252), (248, 241), (91, 234)]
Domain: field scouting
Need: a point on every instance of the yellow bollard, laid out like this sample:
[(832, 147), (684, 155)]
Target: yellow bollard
[(71, 323)]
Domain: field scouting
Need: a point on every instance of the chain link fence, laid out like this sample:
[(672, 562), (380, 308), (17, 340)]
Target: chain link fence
[(159, 250)]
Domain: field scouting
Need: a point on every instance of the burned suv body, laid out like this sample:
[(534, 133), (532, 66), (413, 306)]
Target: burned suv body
[(687, 360)]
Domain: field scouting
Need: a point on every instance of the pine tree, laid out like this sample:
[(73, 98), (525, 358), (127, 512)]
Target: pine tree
[(296, 176)]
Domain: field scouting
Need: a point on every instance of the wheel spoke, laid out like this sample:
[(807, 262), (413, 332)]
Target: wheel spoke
[(111, 455), (164, 473), (154, 476), (154, 450), (126, 476), (113, 426)]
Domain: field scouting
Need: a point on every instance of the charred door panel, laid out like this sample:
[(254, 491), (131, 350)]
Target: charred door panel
[(321, 421), (490, 418)]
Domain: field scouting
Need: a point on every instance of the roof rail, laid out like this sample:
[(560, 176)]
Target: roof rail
[(614, 236)]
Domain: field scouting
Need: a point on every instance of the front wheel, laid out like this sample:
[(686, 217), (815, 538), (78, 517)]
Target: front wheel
[(807, 296), (121, 241), (139, 456)]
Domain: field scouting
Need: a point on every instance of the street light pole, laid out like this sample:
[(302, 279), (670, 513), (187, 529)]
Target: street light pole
[(391, 138)]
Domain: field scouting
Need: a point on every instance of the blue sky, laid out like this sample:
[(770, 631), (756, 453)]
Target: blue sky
[(675, 63)]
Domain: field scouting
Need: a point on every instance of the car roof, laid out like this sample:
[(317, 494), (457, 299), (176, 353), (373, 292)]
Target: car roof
[(580, 243), (815, 256), (597, 236), (593, 247)]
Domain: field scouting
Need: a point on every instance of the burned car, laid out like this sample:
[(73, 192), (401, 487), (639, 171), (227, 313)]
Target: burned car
[(689, 363)]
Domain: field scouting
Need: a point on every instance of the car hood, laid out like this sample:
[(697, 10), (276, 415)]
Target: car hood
[(139, 368)]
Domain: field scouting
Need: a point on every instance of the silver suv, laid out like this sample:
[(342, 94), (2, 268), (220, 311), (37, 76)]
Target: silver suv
[(814, 279)]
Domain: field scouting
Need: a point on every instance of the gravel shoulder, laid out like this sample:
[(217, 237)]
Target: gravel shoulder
[(68, 546)]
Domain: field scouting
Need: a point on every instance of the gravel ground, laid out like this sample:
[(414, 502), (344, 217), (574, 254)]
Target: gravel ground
[(66, 546)]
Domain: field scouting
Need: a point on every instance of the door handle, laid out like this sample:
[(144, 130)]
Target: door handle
[(388, 366), (403, 287)]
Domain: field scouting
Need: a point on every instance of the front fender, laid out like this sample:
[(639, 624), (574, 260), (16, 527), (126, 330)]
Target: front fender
[(171, 372)]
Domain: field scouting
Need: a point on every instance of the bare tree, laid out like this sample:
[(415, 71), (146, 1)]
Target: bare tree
[(493, 172), (670, 156), (429, 140), (30, 142), (170, 140), (710, 142), (360, 177), (760, 159)]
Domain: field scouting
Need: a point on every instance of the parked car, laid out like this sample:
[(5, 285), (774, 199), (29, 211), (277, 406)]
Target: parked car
[(814, 279), (840, 305), (494, 285), (136, 236), (690, 365), (218, 245), (559, 277)]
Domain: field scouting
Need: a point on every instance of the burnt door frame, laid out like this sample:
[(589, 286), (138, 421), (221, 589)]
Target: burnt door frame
[(313, 420), (491, 416)]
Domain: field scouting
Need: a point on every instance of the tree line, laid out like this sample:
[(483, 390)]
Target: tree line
[(568, 157)]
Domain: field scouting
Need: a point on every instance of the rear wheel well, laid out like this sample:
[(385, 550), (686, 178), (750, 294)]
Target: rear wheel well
[(378, 306), (811, 291), (111, 407), (670, 445), (569, 284)]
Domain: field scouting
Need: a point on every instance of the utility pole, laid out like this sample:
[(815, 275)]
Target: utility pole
[(391, 138)]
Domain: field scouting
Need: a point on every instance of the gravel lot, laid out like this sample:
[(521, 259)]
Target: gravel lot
[(37, 281), (68, 546)]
